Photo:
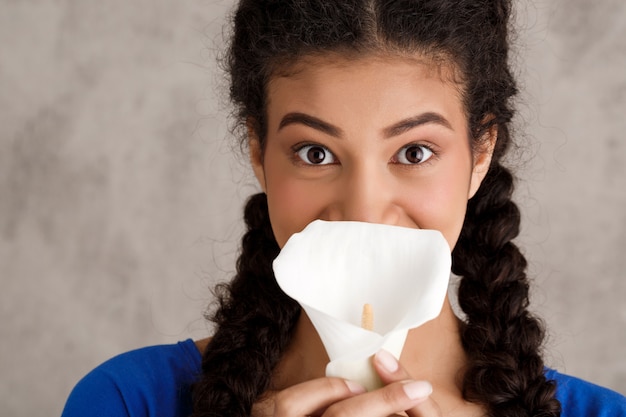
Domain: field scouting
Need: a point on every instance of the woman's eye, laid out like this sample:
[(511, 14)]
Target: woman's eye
[(413, 154), (315, 155)]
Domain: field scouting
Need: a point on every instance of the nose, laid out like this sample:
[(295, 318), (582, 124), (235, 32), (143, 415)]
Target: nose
[(365, 194)]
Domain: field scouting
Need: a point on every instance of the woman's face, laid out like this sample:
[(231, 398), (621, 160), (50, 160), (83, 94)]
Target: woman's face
[(372, 140)]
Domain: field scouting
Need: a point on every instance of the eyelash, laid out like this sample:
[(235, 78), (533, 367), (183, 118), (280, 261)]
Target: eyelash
[(428, 148), (299, 147)]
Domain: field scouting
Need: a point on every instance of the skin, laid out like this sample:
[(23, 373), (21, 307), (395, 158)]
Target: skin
[(376, 139), (365, 180)]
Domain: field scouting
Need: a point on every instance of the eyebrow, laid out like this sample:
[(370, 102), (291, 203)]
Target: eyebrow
[(413, 122), (312, 122), (391, 131)]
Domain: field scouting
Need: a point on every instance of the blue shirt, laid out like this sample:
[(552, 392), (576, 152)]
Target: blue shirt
[(152, 381), (156, 381)]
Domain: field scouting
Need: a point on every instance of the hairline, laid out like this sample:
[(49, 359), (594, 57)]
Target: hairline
[(435, 59)]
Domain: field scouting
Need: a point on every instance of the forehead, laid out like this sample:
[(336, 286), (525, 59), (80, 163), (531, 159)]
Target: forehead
[(429, 65), (382, 86)]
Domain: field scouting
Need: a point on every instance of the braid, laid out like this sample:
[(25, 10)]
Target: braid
[(255, 320), (501, 338), (503, 341)]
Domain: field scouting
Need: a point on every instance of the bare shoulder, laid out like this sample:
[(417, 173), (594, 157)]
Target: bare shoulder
[(202, 344)]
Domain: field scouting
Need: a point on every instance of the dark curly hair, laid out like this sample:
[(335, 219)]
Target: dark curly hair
[(255, 319)]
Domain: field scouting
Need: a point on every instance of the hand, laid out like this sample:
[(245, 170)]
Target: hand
[(332, 397)]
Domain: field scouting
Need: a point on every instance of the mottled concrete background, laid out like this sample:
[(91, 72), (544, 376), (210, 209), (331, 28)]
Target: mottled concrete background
[(120, 196)]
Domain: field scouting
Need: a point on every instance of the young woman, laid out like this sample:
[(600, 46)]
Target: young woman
[(394, 112)]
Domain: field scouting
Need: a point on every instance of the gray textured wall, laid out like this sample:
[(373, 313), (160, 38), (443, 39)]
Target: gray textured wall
[(120, 195)]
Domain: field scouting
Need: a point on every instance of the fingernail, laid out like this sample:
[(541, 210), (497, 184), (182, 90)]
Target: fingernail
[(417, 389), (387, 360), (355, 387)]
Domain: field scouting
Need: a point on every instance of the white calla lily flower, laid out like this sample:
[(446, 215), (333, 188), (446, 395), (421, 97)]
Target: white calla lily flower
[(333, 269)]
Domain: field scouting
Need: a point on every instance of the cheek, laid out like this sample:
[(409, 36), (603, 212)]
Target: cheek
[(291, 207), (454, 213), (441, 205)]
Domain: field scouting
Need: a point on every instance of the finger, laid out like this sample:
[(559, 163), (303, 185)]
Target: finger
[(388, 367), (393, 398), (312, 397), (390, 370)]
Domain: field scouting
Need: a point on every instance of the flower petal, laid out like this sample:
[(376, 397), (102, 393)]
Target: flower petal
[(333, 268)]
